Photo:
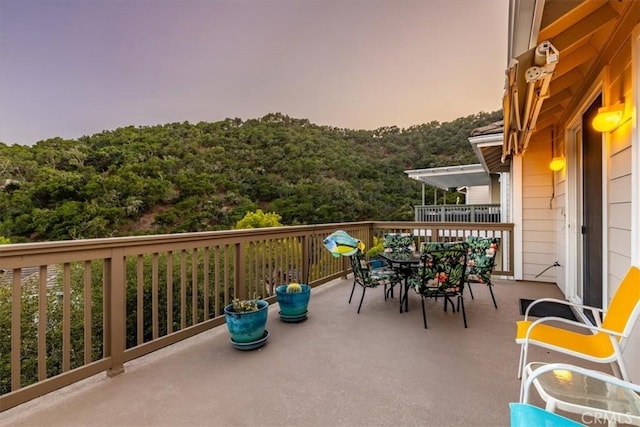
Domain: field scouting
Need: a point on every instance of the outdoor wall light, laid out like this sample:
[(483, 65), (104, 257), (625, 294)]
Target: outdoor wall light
[(608, 118), (557, 163)]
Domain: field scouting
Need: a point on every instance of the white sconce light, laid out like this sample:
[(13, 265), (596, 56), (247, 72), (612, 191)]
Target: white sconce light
[(608, 118), (557, 163)]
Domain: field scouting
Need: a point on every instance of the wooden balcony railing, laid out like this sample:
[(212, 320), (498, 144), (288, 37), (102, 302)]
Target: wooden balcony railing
[(82, 307), (458, 213)]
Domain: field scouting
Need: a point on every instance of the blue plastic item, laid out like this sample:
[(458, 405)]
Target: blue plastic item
[(525, 415), (378, 263)]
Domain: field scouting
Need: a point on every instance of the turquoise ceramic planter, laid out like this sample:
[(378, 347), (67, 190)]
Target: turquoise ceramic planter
[(293, 303), (247, 327)]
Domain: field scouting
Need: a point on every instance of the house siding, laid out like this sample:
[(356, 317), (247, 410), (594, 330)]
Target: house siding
[(620, 177), (632, 352), (559, 214), (477, 195), (495, 189), (538, 222)]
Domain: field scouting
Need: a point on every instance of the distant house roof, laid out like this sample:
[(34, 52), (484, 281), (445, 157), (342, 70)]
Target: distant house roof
[(448, 177), (490, 129), (487, 144)]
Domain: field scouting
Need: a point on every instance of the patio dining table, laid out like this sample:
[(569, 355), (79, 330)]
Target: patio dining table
[(405, 263)]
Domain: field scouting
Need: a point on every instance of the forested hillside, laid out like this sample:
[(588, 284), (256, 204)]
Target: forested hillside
[(183, 177)]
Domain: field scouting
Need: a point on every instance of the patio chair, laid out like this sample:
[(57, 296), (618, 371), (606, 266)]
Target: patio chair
[(480, 262), (442, 273), (398, 241), (367, 277), (601, 343)]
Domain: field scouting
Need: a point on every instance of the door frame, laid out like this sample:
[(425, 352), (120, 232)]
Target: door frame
[(573, 219)]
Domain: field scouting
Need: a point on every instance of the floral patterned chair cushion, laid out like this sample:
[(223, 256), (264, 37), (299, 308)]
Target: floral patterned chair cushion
[(481, 259), (480, 262), (397, 241), (442, 268), (442, 272), (367, 277)]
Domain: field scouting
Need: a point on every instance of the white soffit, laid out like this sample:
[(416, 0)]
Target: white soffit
[(488, 149), (451, 176)]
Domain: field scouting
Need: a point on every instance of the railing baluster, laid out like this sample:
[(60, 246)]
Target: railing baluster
[(216, 281), (66, 318), (227, 278), (240, 288), (154, 296), (140, 299), (183, 289), (205, 282), (117, 325), (194, 286), (87, 313), (42, 324), (169, 292), (16, 310), (304, 273)]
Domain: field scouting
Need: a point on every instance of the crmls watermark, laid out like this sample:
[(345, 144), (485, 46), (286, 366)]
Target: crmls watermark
[(600, 418)]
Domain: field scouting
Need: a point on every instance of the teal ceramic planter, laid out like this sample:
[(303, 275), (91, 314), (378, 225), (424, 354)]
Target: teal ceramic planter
[(247, 327), (293, 304)]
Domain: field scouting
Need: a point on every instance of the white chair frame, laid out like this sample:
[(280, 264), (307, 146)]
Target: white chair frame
[(530, 378)]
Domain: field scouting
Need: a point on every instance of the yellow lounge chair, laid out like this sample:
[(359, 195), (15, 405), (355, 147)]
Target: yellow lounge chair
[(602, 343)]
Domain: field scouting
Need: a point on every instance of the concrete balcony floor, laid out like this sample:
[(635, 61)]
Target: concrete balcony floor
[(337, 368)]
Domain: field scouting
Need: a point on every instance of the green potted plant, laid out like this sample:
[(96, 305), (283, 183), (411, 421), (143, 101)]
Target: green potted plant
[(246, 322), (293, 299)]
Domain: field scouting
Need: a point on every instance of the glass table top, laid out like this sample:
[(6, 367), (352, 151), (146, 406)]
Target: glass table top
[(578, 389), (402, 256)]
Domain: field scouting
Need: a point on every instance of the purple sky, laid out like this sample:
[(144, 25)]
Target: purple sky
[(70, 68)]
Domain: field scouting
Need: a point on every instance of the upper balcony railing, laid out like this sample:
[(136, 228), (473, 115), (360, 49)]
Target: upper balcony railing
[(458, 213), (82, 307)]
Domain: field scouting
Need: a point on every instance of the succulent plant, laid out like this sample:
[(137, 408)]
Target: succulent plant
[(245, 305), (294, 287)]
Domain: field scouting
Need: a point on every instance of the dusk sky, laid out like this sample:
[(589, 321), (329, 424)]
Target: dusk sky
[(70, 68)]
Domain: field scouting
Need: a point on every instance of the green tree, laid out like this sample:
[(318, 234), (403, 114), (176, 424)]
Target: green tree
[(259, 219), (182, 177)]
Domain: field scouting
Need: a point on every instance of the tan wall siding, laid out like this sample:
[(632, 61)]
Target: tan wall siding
[(619, 178), (495, 189), (619, 188), (538, 224), (535, 214), (622, 214), (478, 195), (559, 221)]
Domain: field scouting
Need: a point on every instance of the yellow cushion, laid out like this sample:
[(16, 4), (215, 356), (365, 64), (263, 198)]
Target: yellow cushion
[(597, 346), (624, 302)]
